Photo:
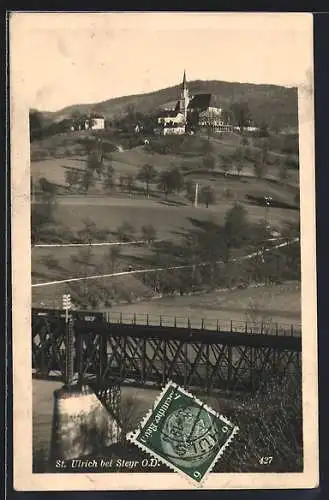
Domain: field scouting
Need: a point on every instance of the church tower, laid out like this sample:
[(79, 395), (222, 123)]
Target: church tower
[(184, 98)]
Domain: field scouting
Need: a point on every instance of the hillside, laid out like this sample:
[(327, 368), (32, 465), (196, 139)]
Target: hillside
[(273, 104)]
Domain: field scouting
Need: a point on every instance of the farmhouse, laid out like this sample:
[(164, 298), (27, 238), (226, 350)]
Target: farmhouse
[(96, 122), (84, 122), (191, 112)]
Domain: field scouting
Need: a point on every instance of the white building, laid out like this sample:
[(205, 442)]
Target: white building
[(96, 122), (174, 129)]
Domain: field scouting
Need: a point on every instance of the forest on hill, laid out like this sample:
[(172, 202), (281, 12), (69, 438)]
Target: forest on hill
[(275, 105)]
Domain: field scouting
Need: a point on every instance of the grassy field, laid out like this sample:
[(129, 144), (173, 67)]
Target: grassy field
[(128, 161), (271, 304), (278, 303), (167, 219)]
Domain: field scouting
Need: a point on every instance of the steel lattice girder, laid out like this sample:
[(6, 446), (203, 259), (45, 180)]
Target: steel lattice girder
[(205, 359), (48, 344)]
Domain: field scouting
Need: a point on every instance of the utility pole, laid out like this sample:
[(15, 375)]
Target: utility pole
[(66, 301), (268, 201), (196, 194)]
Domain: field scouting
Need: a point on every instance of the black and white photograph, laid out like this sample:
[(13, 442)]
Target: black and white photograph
[(163, 232)]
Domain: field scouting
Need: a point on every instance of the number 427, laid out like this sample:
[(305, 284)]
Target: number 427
[(265, 460)]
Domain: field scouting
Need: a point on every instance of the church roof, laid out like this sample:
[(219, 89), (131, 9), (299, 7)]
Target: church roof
[(167, 113), (200, 102), (96, 115)]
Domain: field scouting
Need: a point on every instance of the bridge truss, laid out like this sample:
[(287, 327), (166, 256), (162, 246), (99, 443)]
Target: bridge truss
[(109, 354)]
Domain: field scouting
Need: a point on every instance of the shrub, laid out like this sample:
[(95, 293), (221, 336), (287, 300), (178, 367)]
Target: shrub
[(270, 423), (207, 196), (148, 233), (126, 232), (38, 155), (229, 193)]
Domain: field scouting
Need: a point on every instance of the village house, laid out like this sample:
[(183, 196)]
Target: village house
[(93, 122), (96, 122)]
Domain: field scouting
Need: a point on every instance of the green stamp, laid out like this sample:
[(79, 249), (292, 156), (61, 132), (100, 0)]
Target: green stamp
[(183, 433)]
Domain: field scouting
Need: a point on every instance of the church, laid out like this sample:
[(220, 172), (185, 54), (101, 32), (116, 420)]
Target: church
[(192, 112)]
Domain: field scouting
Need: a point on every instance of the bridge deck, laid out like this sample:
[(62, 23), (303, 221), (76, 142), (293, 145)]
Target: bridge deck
[(91, 344), (292, 343)]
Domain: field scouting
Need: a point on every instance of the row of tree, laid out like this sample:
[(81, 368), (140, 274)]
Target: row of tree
[(211, 253), (169, 181)]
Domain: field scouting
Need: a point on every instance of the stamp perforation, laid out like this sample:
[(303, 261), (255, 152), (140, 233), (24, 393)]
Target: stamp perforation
[(133, 436)]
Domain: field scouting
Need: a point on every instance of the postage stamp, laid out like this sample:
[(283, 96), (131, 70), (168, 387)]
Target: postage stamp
[(184, 433)]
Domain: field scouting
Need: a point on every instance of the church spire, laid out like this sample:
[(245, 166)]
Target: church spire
[(184, 80)]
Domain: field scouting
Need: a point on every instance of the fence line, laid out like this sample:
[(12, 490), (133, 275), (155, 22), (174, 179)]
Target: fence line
[(99, 244), (161, 269), (263, 327), (112, 243)]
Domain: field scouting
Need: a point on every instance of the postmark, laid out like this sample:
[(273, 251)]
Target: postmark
[(184, 433)]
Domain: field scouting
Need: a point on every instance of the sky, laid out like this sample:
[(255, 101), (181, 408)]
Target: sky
[(60, 59)]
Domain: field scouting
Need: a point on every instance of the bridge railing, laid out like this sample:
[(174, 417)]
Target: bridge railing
[(215, 324)]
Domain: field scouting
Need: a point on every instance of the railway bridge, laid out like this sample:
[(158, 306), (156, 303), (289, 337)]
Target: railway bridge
[(148, 351)]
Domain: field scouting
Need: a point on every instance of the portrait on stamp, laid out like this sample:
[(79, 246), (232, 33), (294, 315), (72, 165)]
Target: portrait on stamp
[(163, 249)]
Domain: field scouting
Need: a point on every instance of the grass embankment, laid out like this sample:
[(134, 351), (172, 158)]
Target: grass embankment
[(270, 304), (276, 303), (59, 158), (168, 216), (166, 219)]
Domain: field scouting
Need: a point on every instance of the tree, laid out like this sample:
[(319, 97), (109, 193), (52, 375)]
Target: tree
[(48, 188), (130, 114), (292, 161), (114, 255), (263, 130), (83, 257), (207, 147), (238, 157), (108, 178), (259, 169), (209, 161), (48, 196), (164, 183), (207, 196), (236, 225), (126, 232), (39, 220), (226, 165), (147, 174), (176, 179), (171, 180), (241, 114), (36, 124), (283, 172), (122, 182), (50, 261), (190, 190), (89, 231), (72, 177), (264, 152), (95, 162), (148, 233), (130, 183), (87, 180)]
